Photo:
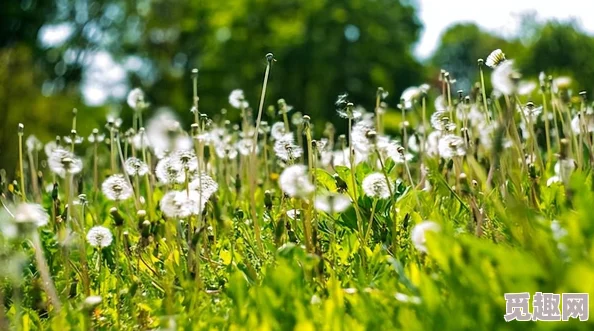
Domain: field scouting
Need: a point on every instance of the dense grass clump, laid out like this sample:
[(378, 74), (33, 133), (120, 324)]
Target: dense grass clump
[(265, 225)]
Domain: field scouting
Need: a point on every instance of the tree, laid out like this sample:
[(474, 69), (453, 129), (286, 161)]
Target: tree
[(462, 45), (561, 48), (322, 48)]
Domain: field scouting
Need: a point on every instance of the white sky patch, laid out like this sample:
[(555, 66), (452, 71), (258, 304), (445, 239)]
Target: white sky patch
[(55, 35), (500, 17)]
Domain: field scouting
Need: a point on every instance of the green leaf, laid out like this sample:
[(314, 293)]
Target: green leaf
[(324, 179)]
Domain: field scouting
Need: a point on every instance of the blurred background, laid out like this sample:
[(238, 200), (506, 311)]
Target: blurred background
[(56, 55)]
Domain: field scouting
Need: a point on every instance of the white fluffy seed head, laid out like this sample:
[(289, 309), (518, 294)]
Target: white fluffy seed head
[(277, 131), (135, 98), (451, 146), (117, 188), (136, 167), (503, 77), (294, 181), (361, 143), (237, 99), (332, 203), (161, 131), (531, 112), (170, 171), (205, 185), (182, 204), (187, 159), (21, 220), (33, 144), (418, 234), (286, 149), (63, 162), (31, 213), (245, 146), (376, 186), (99, 236)]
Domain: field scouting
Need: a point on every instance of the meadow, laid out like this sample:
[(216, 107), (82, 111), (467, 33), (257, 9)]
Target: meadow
[(272, 224)]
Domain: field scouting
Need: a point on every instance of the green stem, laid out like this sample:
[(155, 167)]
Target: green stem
[(48, 283), (21, 168)]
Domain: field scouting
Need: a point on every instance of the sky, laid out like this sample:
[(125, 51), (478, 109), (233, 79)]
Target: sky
[(499, 16)]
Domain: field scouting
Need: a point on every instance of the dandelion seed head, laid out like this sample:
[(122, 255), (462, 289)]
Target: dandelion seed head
[(342, 158), (31, 213), (494, 59), (409, 95), (245, 146), (33, 144), (136, 167), (322, 144), (170, 171), (418, 232), (99, 236), (237, 99), (451, 146), (359, 139), (578, 127), (63, 162), (116, 188), (135, 99), (140, 141), (49, 148), (161, 131), (277, 131), (440, 121), (285, 148), (182, 204), (526, 88), (226, 151), (205, 185), (187, 158), (432, 143), (531, 112), (332, 203), (376, 186), (294, 181), (504, 77)]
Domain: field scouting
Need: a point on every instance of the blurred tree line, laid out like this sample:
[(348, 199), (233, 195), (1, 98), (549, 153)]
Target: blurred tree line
[(60, 54), (557, 48)]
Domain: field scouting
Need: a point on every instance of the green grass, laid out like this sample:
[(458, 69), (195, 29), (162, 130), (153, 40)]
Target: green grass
[(242, 263)]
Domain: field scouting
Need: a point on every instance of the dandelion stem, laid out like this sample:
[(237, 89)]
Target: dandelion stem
[(21, 166), (370, 223), (547, 128), (83, 254), (483, 92), (195, 94), (112, 151), (252, 179), (48, 283), (269, 58), (34, 177), (378, 121)]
